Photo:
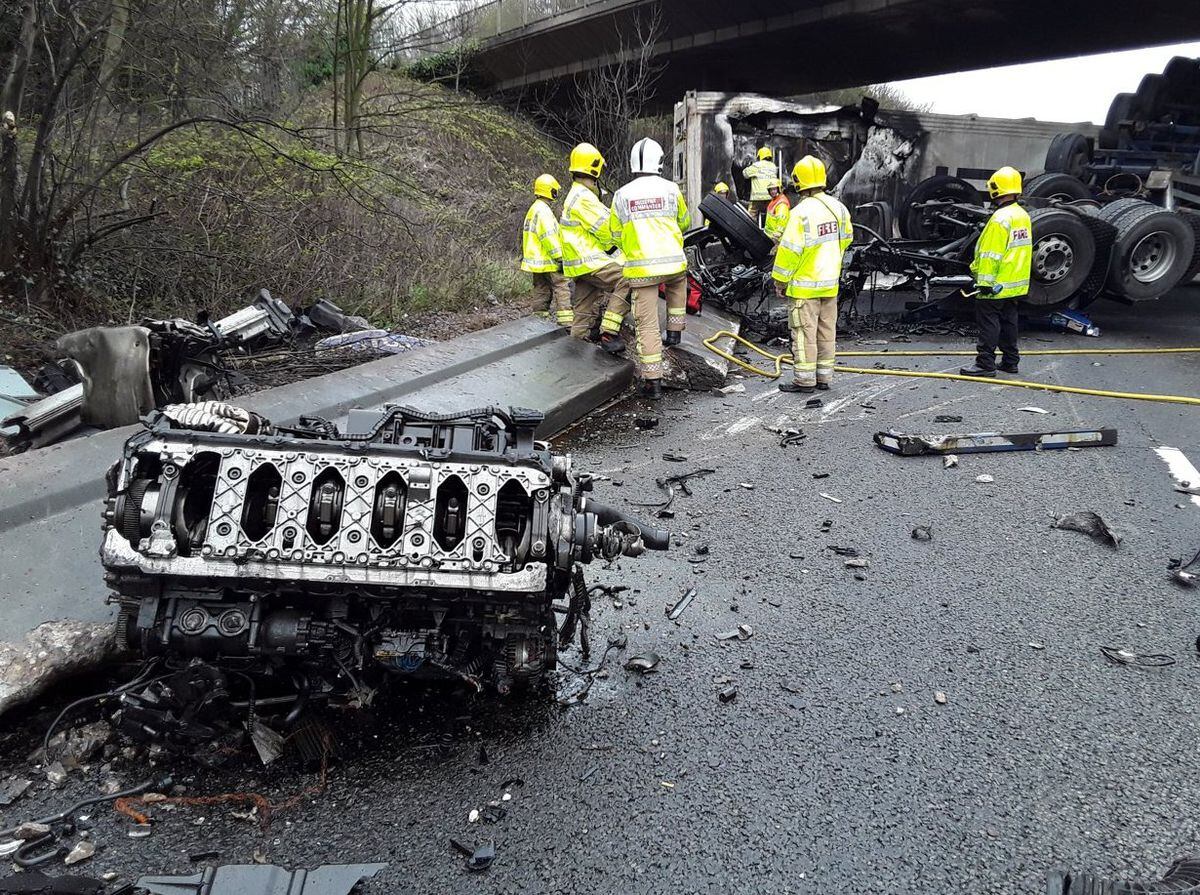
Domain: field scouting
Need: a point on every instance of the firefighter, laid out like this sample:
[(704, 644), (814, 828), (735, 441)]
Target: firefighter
[(720, 188), (586, 245), (541, 251), (777, 211), (647, 220), (808, 265), (1003, 256), (759, 174)]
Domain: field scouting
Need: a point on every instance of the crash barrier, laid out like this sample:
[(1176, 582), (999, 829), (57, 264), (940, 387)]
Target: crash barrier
[(784, 358)]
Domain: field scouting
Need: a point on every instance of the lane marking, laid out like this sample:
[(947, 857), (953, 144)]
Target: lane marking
[(1181, 469)]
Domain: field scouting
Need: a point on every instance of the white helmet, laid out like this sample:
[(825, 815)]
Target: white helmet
[(646, 157)]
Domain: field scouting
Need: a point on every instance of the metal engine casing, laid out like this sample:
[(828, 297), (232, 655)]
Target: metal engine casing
[(429, 542)]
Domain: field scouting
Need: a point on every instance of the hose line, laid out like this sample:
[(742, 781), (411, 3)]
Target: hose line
[(778, 361)]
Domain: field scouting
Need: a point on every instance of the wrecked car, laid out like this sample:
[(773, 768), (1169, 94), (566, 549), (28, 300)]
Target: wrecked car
[(269, 567)]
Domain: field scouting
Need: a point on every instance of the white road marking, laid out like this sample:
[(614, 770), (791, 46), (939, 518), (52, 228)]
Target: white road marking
[(1181, 469), (746, 422)]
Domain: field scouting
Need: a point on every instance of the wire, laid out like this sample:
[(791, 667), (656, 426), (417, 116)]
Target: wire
[(108, 694)]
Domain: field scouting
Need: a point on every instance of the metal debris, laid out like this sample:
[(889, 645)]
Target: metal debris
[(1032, 410), (643, 664), (844, 551), (857, 564), (681, 605), (477, 859), (949, 461), (947, 418), (985, 479), (939, 697), (814, 403), (735, 389), (668, 484), (82, 850), (1119, 656), (729, 694), (1187, 574), (990, 442), (32, 882), (830, 497), (1089, 523), (923, 533), (741, 632)]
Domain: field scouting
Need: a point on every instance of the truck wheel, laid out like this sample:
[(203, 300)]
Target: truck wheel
[(1120, 109), (1114, 211), (1150, 96), (1068, 154), (1153, 251), (1062, 187), (1193, 221), (1183, 80), (1064, 251), (733, 221), (915, 223)]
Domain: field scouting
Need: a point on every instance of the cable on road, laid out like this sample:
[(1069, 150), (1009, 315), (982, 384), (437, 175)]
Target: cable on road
[(778, 361)]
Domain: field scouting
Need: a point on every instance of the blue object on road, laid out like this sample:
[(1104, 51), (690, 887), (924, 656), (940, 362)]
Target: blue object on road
[(1074, 322)]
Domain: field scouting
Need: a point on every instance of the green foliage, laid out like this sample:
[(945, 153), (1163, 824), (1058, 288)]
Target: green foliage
[(455, 66)]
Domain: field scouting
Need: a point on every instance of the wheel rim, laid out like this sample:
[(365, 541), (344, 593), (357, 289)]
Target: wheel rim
[(1053, 258), (1152, 257)]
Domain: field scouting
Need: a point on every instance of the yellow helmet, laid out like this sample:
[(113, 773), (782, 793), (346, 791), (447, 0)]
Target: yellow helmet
[(775, 183), (809, 173), (765, 153), (546, 187), (587, 160), (1005, 182), (720, 187)]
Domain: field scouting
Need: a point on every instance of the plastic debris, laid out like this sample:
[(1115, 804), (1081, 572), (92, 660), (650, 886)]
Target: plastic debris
[(830, 497), (646, 422), (814, 402), (1119, 656), (856, 564), (473, 817), (1032, 410), (82, 850), (1187, 574), (139, 831), (643, 664), (1074, 322), (939, 697), (741, 632), (923, 533), (729, 694), (674, 458), (844, 551), (681, 604), (947, 418), (249, 879), (985, 479), (949, 461), (735, 389), (479, 858), (1089, 523)]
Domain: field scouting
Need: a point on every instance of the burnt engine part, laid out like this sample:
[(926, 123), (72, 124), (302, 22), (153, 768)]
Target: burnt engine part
[(425, 545)]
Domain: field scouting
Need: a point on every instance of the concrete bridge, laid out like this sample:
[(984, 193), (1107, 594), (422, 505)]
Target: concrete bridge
[(785, 48)]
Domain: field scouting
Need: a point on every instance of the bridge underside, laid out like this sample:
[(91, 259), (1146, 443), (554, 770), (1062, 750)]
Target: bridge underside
[(754, 46)]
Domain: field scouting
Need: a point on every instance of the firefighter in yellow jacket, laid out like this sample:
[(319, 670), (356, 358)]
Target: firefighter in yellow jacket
[(586, 244), (541, 252), (1003, 256), (760, 173), (808, 266), (778, 211), (647, 220)]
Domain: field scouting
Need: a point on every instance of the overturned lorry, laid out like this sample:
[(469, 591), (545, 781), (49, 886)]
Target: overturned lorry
[(300, 564)]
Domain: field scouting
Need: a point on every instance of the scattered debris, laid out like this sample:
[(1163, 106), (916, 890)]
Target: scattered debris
[(1186, 574), (1119, 656), (830, 497), (1091, 524), (729, 694), (1032, 410), (939, 697), (820, 475), (988, 442), (923, 533), (947, 418), (747, 485), (262, 879), (267, 742), (646, 422), (1074, 322), (814, 403), (82, 850), (668, 485), (1033, 644), (13, 790), (790, 437), (31, 830), (473, 816), (31, 882), (949, 461), (844, 551), (735, 389), (674, 458), (742, 632), (643, 664), (856, 564), (477, 859), (985, 479), (205, 855), (139, 831), (681, 604)]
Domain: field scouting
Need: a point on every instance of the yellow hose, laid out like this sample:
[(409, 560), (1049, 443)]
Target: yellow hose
[(779, 360)]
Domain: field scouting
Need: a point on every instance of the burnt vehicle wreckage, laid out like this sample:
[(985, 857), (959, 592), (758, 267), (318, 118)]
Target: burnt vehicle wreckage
[(1128, 250), (265, 568)]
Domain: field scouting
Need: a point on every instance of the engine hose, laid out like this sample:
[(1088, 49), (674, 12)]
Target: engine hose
[(784, 358), (653, 538)]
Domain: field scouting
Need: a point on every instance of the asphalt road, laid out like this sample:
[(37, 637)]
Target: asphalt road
[(834, 770)]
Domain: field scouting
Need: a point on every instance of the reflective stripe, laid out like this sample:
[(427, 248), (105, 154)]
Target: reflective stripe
[(567, 315), (788, 244), (807, 368), (813, 284), (825, 364), (650, 262), (611, 322), (650, 358), (994, 255), (676, 312)]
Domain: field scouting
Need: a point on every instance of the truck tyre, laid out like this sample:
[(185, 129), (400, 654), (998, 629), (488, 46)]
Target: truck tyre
[(1183, 80), (1068, 154), (736, 224), (1061, 187), (1120, 109), (1150, 98), (913, 224), (1114, 211), (1153, 250), (1064, 251), (1193, 221)]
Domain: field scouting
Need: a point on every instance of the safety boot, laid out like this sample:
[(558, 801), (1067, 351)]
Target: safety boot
[(977, 371), (671, 338), (796, 387), (652, 389), (612, 343), (823, 385), (1007, 368)]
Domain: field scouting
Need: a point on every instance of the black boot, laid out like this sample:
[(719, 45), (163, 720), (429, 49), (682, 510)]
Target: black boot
[(612, 343), (652, 389), (794, 387), (823, 386), (671, 338), (977, 371), (1007, 368)]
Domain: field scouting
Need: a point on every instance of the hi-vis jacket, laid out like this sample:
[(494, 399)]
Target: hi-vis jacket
[(647, 221), (586, 237), (809, 258), (760, 174), (1004, 253), (777, 217), (541, 245)]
